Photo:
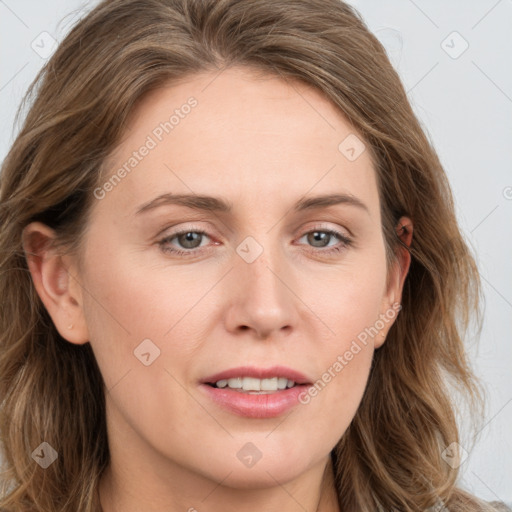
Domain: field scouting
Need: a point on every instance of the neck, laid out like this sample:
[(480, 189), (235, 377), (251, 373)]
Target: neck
[(329, 496)]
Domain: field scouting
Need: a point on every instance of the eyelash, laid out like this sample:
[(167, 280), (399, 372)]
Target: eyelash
[(163, 243)]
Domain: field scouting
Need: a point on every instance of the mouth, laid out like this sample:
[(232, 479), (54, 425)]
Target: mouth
[(256, 393)]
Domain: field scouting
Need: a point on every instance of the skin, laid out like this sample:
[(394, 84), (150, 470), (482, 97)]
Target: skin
[(172, 448)]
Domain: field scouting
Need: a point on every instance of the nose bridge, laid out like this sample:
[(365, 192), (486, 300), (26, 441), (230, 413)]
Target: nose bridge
[(263, 299), (261, 267)]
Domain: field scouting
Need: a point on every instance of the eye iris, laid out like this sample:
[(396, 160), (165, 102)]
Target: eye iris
[(188, 238), (315, 236)]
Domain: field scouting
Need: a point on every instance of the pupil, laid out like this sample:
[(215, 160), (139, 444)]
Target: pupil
[(189, 239), (319, 236)]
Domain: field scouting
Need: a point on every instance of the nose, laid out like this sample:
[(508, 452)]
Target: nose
[(262, 297)]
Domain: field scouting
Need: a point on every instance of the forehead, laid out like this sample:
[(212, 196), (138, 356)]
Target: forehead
[(239, 134)]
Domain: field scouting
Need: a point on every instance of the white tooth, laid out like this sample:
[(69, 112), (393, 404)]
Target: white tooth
[(281, 382), (235, 383), (251, 384), (269, 384)]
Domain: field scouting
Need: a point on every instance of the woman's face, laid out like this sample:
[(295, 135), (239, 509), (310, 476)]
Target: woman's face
[(260, 283)]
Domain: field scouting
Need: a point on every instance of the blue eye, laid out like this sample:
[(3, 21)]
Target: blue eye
[(187, 238), (321, 235), (190, 241)]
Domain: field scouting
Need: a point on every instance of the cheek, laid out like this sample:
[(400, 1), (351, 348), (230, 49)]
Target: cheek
[(349, 306), (347, 300), (338, 390), (128, 302), (331, 403)]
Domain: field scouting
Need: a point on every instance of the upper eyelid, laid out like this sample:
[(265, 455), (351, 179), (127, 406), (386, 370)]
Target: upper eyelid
[(318, 226)]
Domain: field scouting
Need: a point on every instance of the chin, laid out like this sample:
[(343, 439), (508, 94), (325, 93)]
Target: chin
[(274, 466), (258, 477)]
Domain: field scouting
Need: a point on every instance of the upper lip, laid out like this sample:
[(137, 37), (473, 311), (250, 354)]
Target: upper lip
[(259, 373)]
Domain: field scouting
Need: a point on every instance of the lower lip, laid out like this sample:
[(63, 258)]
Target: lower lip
[(268, 405)]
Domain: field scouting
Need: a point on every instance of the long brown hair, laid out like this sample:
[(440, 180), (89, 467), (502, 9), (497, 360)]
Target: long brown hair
[(391, 456)]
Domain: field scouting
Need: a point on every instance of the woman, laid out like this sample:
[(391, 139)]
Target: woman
[(187, 173)]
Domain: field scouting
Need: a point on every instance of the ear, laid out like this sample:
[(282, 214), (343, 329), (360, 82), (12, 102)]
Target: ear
[(56, 282), (396, 279)]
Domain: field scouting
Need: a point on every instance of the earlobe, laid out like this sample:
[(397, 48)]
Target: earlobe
[(50, 273)]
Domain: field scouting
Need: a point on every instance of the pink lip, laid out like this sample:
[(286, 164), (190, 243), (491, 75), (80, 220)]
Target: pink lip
[(254, 405), (259, 373)]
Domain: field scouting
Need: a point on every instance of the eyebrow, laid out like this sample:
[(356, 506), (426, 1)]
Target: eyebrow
[(216, 204)]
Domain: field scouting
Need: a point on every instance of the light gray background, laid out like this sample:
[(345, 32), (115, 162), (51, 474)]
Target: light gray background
[(464, 103)]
